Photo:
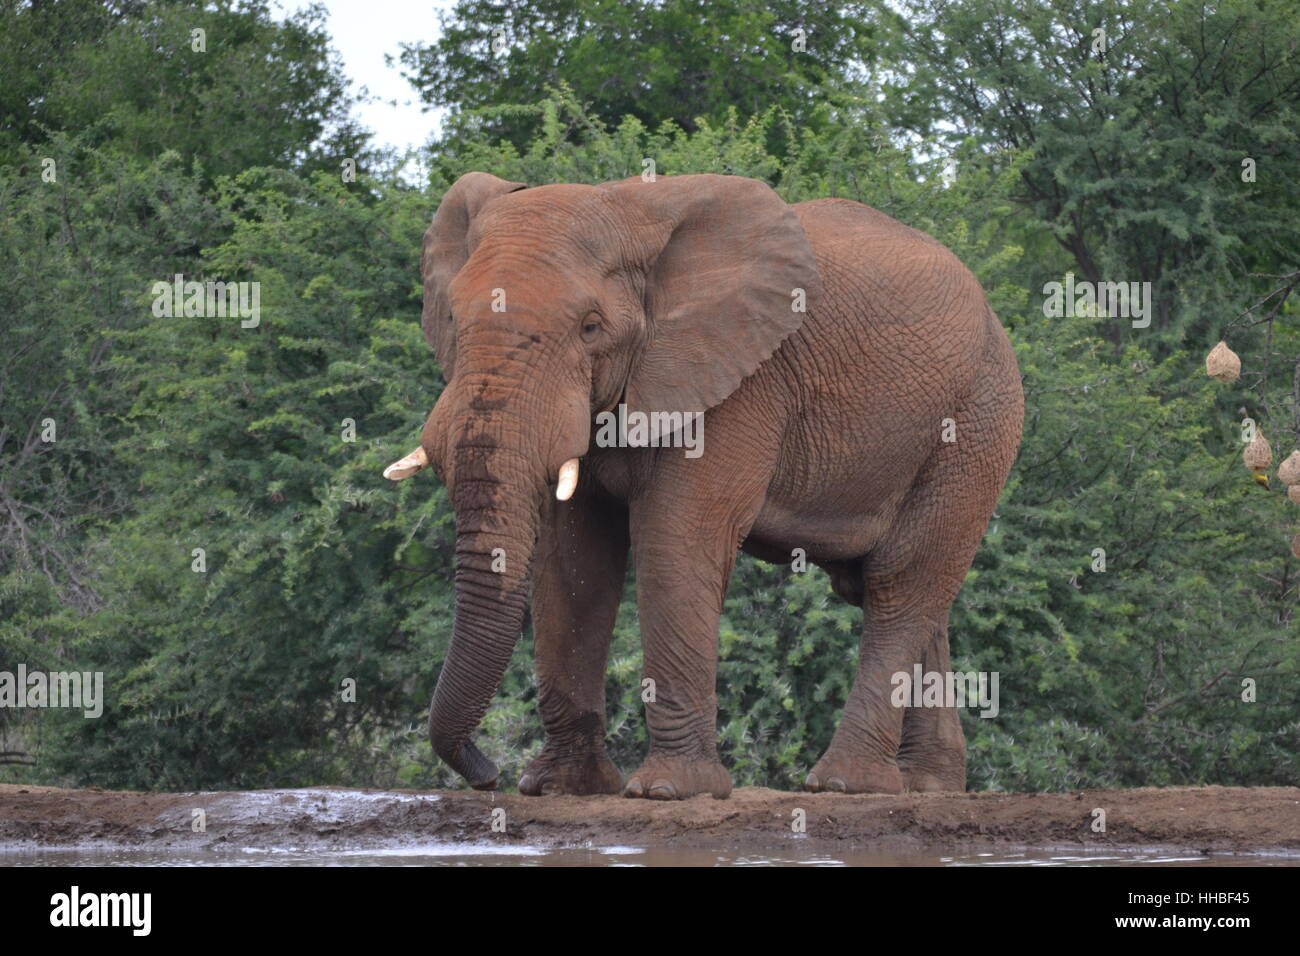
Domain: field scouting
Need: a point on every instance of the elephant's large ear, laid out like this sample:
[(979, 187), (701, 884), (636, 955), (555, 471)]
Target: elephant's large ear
[(729, 275), (445, 252)]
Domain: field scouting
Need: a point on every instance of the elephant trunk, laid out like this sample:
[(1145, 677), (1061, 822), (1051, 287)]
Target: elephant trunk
[(496, 494)]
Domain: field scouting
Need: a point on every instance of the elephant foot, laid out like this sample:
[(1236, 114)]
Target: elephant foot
[(937, 767), (676, 778), (921, 781), (582, 774), (833, 775)]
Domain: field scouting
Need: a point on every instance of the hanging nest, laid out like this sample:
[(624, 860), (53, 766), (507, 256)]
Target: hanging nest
[(1223, 364), (1258, 454), (1293, 493), (1289, 471), (1295, 545)]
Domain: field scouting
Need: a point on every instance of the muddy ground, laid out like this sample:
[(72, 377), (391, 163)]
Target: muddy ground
[(1209, 819)]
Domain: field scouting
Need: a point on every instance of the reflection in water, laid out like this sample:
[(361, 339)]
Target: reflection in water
[(506, 855)]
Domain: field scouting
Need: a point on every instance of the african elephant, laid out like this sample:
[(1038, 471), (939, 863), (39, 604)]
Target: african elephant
[(859, 400)]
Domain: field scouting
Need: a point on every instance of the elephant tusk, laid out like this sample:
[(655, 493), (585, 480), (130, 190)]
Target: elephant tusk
[(415, 461), (568, 480)]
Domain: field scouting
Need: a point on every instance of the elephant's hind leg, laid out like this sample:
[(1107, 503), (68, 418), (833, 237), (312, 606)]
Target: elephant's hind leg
[(577, 585), (863, 755), (932, 756), (903, 625), (885, 744)]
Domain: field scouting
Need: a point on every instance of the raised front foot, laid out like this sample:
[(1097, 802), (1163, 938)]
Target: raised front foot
[(676, 778), (840, 775), (583, 773)]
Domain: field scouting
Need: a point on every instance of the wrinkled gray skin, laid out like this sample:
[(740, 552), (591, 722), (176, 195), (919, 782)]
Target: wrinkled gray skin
[(823, 430)]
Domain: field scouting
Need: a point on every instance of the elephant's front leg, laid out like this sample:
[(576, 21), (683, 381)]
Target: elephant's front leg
[(681, 581), (578, 581)]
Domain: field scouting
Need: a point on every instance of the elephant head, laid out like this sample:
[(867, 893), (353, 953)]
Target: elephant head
[(546, 306)]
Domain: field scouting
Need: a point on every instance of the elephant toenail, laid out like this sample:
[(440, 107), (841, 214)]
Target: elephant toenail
[(811, 782), (526, 783), (837, 785), (633, 788), (662, 790)]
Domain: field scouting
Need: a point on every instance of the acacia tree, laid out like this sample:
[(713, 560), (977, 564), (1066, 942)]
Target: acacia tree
[(249, 90), (115, 130), (1159, 139), (676, 60)]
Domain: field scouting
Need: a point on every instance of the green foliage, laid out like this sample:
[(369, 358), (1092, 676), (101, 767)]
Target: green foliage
[(678, 61), (1134, 139), (1129, 671), (260, 92)]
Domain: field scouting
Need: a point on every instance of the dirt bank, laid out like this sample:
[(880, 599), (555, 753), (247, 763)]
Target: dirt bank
[(1189, 818)]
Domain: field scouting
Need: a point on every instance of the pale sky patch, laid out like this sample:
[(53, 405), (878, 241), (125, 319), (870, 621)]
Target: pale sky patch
[(363, 31)]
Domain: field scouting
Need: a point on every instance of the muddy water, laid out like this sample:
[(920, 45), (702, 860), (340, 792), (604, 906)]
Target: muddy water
[(333, 827), (478, 855)]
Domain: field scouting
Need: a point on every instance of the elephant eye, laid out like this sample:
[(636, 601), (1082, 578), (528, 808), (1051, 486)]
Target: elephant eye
[(590, 326)]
